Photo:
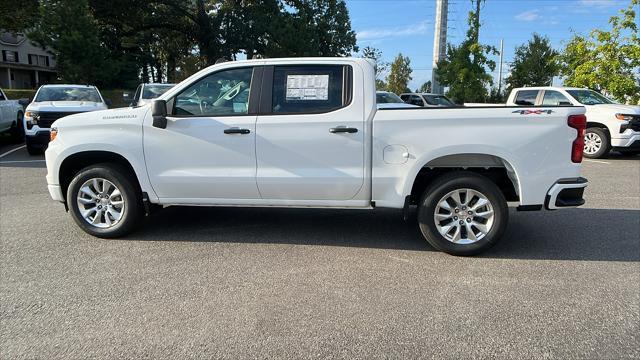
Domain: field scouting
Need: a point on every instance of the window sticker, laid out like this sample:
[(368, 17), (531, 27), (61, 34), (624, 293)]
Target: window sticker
[(307, 87)]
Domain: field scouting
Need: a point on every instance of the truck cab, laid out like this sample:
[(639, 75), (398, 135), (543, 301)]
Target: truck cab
[(609, 125)]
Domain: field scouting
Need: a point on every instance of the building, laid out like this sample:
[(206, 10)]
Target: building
[(24, 65)]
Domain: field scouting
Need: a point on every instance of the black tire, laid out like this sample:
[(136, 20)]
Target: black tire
[(605, 146), (17, 130), (32, 148), (462, 180), (131, 195)]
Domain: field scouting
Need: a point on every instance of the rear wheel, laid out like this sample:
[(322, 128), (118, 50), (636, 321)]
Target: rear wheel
[(104, 201), (596, 143), (463, 213)]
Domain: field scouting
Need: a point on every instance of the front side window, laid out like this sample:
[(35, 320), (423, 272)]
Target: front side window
[(526, 97), (155, 90), (61, 93), (388, 98), (589, 97), (308, 89), (554, 98), (222, 93)]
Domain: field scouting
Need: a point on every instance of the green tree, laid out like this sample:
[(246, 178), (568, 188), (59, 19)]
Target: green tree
[(399, 75), (18, 17), (464, 69), (69, 29), (379, 66), (535, 64), (312, 28), (607, 61), (424, 88)]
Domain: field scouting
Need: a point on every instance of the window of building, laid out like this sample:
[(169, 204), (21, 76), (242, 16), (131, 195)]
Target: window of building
[(39, 60), (10, 56)]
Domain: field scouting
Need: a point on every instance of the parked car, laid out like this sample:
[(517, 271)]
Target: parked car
[(11, 112), (52, 102), (427, 100), (147, 92), (307, 133), (609, 125), (389, 100)]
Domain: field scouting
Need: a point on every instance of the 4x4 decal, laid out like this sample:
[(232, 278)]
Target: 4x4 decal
[(536, 112)]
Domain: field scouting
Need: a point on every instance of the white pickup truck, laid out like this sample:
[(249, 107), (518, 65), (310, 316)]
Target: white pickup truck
[(306, 132), (609, 125), (11, 113)]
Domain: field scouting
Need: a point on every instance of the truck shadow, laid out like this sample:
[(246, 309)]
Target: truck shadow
[(576, 234)]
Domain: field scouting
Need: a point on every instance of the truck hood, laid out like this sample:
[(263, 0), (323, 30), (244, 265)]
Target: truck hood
[(103, 118), (66, 106), (615, 108)]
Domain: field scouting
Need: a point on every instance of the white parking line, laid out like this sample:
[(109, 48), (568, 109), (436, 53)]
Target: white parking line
[(596, 161), (20, 161), (12, 150)]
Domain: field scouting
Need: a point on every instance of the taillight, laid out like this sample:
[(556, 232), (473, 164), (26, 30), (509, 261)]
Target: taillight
[(578, 122)]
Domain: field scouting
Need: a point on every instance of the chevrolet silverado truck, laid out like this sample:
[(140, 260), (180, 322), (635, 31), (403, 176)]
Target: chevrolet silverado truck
[(609, 125), (306, 132), (11, 112), (52, 102)]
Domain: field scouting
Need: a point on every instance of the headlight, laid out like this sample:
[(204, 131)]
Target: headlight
[(31, 117), (624, 117)]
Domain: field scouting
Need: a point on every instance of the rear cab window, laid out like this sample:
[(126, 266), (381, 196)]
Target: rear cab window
[(554, 98), (526, 97), (310, 88)]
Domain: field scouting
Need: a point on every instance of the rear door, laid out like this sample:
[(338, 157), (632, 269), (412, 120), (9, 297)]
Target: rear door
[(310, 133)]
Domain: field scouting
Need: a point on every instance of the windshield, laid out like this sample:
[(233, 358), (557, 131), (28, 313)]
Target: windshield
[(153, 91), (439, 100), (388, 98), (68, 94), (589, 97)]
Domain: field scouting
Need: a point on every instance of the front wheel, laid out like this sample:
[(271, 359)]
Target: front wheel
[(463, 213), (596, 143), (104, 201), (17, 130)]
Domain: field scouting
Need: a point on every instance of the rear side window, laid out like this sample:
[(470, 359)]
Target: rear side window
[(310, 89), (526, 97), (552, 97)]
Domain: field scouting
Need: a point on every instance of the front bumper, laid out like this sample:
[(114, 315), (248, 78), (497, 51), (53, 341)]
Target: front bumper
[(56, 192), (40, 139), (566, 193), (632, 141)]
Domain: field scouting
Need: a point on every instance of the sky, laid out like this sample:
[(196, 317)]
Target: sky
[(407, 26)]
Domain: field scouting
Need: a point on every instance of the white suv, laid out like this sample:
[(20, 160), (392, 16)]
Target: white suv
[(609, 125), (53, 102)]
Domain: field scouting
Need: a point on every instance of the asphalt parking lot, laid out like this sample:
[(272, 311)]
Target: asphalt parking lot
[(265, 283)]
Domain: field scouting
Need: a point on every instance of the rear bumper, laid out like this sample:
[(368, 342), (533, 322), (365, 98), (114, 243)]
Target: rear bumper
[(566, 193)]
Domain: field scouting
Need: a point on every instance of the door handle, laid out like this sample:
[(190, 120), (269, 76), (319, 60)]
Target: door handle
[(236, 130), (343, 129)]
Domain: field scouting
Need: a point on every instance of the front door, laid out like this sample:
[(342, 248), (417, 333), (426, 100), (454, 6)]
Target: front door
[(310, 134), (207, 150)]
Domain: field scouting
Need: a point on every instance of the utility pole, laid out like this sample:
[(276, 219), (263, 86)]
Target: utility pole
[(439, 42), (500, 66)]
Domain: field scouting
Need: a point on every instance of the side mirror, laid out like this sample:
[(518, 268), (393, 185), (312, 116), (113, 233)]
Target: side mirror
[(159, 113), (24, 102)]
